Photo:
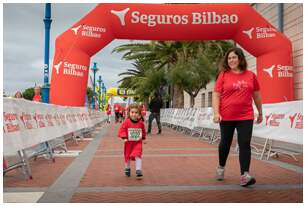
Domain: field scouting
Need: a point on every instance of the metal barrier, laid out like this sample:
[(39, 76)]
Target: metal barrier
[(46, 149), (268, 149)]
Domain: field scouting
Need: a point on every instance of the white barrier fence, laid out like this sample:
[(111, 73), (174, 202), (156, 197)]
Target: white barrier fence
[(281, 121), (27, 123)]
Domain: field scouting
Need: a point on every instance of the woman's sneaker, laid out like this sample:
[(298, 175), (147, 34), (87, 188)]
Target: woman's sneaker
[(246, 180), (220, 173), (127, 172)]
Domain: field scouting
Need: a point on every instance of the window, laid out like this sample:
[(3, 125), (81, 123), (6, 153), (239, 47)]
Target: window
[(209, 99), (203, 100)]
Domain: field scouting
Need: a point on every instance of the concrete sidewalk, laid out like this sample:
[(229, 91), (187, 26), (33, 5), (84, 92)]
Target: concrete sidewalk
[(176, 167)]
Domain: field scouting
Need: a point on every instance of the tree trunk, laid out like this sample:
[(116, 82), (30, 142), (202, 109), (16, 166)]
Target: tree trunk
[(172, 96), (168, 103), (192, 101), (178, 97), (146, 103)]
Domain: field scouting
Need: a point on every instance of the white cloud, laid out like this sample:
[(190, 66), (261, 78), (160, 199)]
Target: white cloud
[(23, 44), (37, 64)]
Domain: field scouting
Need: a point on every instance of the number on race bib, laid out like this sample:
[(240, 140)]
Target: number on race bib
[(134, 134)]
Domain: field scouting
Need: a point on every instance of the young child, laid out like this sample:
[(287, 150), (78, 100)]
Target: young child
[(108, 112), (123, 113), (116, 110), (132, 131)]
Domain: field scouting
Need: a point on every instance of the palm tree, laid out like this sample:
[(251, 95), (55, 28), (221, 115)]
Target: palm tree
[(166, 54), (138, 71), (157, 53), (161, 55), (200, 71), (144, 79)]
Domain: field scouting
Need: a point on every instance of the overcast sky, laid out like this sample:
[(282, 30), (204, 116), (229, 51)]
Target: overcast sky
[(24, 44)]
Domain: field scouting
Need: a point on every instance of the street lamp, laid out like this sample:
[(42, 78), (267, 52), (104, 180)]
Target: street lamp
[(104, 95), (100, 84), (94, 69)]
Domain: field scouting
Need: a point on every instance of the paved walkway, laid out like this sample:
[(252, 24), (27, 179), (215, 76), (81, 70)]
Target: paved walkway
[(176, 167)]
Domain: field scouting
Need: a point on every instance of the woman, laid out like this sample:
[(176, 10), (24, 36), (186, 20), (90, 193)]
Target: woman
[(108, 112), (235, 88), (37, 96)]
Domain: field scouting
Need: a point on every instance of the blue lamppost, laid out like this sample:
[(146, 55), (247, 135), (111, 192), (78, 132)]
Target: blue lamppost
[(94, 69), (100, 81), (104, 95), (46, 87)]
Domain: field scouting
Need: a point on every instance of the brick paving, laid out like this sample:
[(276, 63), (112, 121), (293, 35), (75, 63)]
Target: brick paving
[(77, 146), (213, 196), (42, 168), (171, 162), (287, 159), (181, 171), (44, 173), (176, 159)]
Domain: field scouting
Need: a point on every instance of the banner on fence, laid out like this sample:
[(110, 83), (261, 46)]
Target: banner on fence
[(281, 121), (27, 123)]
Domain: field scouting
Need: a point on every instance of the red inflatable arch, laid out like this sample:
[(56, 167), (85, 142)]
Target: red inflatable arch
[(107, 22)]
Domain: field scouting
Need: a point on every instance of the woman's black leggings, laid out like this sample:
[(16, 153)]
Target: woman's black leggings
[(244, 131)]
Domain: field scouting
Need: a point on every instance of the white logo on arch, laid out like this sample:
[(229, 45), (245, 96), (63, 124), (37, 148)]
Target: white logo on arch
[(121, 15), (249, 32), (57, 67), (270, 70), (260, 32), (283, 71), (75, 29)]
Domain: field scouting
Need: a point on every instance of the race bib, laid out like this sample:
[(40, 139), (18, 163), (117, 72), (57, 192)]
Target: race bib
[(134, 134)]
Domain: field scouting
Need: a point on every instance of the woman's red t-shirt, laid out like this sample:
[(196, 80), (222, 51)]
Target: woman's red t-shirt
[(236, 94)]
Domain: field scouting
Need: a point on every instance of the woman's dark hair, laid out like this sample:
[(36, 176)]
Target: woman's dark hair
[(242, 61)]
